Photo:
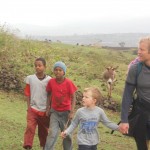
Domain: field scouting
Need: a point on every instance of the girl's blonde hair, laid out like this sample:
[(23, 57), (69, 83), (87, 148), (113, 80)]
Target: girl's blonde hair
[(146, 39), (96, 94)]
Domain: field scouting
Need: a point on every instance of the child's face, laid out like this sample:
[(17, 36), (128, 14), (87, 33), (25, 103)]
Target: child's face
[(59, 73), (88, 100), (39, 66)]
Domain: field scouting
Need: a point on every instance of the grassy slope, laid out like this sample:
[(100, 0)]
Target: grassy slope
[(85, 66)]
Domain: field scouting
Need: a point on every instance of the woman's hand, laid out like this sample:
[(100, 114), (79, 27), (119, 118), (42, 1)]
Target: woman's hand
[(123, 128)]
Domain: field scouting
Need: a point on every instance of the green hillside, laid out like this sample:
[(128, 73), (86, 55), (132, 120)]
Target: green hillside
[(85, 64), (85, 67)]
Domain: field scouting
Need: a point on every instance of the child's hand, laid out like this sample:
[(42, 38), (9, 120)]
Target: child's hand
[(71, 114), (119, 129), (63, 135), (48, 112)]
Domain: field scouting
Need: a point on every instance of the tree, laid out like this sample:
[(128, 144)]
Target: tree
[(122, 44)]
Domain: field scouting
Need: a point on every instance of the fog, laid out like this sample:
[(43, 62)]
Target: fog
[(136, 25), (69, 17)]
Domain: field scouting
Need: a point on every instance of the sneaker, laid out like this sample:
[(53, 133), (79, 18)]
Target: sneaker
[(42, 148), (27, 147)]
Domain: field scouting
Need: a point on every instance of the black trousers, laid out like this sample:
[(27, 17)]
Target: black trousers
[(87, 147), (141, 125)]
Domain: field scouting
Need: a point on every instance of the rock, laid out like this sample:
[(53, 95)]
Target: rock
[(79, 97)]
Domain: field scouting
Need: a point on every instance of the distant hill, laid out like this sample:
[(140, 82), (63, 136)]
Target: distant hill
[(112, 40)]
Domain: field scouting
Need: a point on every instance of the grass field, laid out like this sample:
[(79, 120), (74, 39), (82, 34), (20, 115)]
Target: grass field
[(13, 123)]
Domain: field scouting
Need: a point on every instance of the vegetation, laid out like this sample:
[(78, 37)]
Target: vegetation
[(13, 123), (122, 44), (85, 67)]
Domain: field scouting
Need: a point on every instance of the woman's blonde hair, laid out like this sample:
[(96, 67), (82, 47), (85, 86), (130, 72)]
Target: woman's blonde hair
[(96, 94), (146, 39)]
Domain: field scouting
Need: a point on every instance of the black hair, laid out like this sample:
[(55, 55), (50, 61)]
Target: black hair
[(42, 60)]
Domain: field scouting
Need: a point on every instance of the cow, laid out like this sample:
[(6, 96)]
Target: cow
[(109, 77)]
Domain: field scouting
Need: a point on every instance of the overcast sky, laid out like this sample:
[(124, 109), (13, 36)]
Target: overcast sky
[(76, 16)]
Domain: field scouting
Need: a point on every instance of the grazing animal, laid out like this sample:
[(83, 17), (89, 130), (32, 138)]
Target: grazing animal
[(109, 77)]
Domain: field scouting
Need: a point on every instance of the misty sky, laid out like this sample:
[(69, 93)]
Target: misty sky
[(59, 17)]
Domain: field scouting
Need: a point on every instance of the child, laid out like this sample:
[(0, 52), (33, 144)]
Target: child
[(62, 103), (88, 118), (35, 91)]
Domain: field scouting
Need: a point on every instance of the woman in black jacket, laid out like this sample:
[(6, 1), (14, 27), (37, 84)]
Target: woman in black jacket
[(138, 124)]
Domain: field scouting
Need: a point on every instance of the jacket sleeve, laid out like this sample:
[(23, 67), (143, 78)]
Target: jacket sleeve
[(126, 101)]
